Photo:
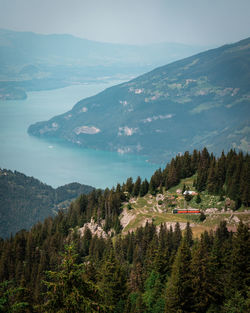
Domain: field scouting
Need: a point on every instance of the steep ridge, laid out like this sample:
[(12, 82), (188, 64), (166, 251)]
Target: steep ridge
[(25, 200), (200, 100)]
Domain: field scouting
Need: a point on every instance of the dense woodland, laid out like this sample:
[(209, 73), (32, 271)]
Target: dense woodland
[(25, 200), (51, 269)]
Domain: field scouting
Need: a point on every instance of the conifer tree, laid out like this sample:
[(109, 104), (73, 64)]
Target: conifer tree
[(153, 296), (179, 290), (12, 299), (163, 254), (68, 290), (212, 179), (152, 186), (87, 236), (206, 289), (202, 172), (195, 160), (135, 281), (144, 188), (177, 236), (137, 186), (172, 177), (112, 283), (129, 185), (186, 165), (240, 260), (135, 303), (236, 304), (245, 182), (189, 235)]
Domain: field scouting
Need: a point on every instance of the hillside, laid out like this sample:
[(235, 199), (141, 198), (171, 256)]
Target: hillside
[(25, 200), (158, 210), (216, 188), (158, 262), (201, 100), (30, 61)]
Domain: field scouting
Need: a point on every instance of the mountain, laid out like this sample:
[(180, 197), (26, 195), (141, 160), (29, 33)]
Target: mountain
[(25, 200), (30, 61), (201, 100), (164, 260)]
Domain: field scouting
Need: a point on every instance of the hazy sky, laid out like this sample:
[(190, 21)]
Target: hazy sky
[(205, 22)]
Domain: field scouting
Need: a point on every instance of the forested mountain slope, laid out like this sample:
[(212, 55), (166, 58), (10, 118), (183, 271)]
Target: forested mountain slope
[(200, 100), (25, 200), (154, 269)]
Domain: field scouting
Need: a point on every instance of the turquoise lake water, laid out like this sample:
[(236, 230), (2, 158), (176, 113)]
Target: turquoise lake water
[(57, 164)]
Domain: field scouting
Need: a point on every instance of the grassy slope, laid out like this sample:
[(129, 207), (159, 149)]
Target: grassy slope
[(147, 208)]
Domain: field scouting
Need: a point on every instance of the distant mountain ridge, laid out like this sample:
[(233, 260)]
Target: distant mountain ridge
[(25, 200), (203, 100), (30, 61)]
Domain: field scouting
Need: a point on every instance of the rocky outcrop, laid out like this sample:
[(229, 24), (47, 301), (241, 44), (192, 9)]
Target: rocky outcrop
[(95, 229)]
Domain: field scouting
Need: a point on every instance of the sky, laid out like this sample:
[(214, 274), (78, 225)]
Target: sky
[(196, 22)]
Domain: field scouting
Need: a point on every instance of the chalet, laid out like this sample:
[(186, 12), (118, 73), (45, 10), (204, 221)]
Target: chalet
[(190, 192)]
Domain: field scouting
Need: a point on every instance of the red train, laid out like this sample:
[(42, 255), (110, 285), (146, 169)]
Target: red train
[(187, 211)]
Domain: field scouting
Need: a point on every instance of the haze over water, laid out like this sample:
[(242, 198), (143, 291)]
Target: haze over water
[(57, 163)]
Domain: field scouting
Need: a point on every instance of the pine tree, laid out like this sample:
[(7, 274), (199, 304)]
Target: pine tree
[(179, 290), (135, 303), (152, 186), (163, 254), (172, 178), (87, 236), (177, 236), (187, 170), (153, 297), (212, 179), (129, 185), (236, 304), (189, 235), (144, 188), (202, 172), (245, 182), (12, 298), (194, 160), (112, 283), (206, 290), (137, 186), (240, 260), (221, 172), (68, 290)]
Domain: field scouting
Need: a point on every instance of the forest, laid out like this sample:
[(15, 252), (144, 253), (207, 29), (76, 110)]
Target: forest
[(51, 268), (25, 200)]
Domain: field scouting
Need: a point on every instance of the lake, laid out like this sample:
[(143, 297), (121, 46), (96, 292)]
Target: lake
[(56, 163)]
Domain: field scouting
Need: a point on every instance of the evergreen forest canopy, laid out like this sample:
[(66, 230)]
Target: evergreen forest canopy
[(51, 268), (25, 200)]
